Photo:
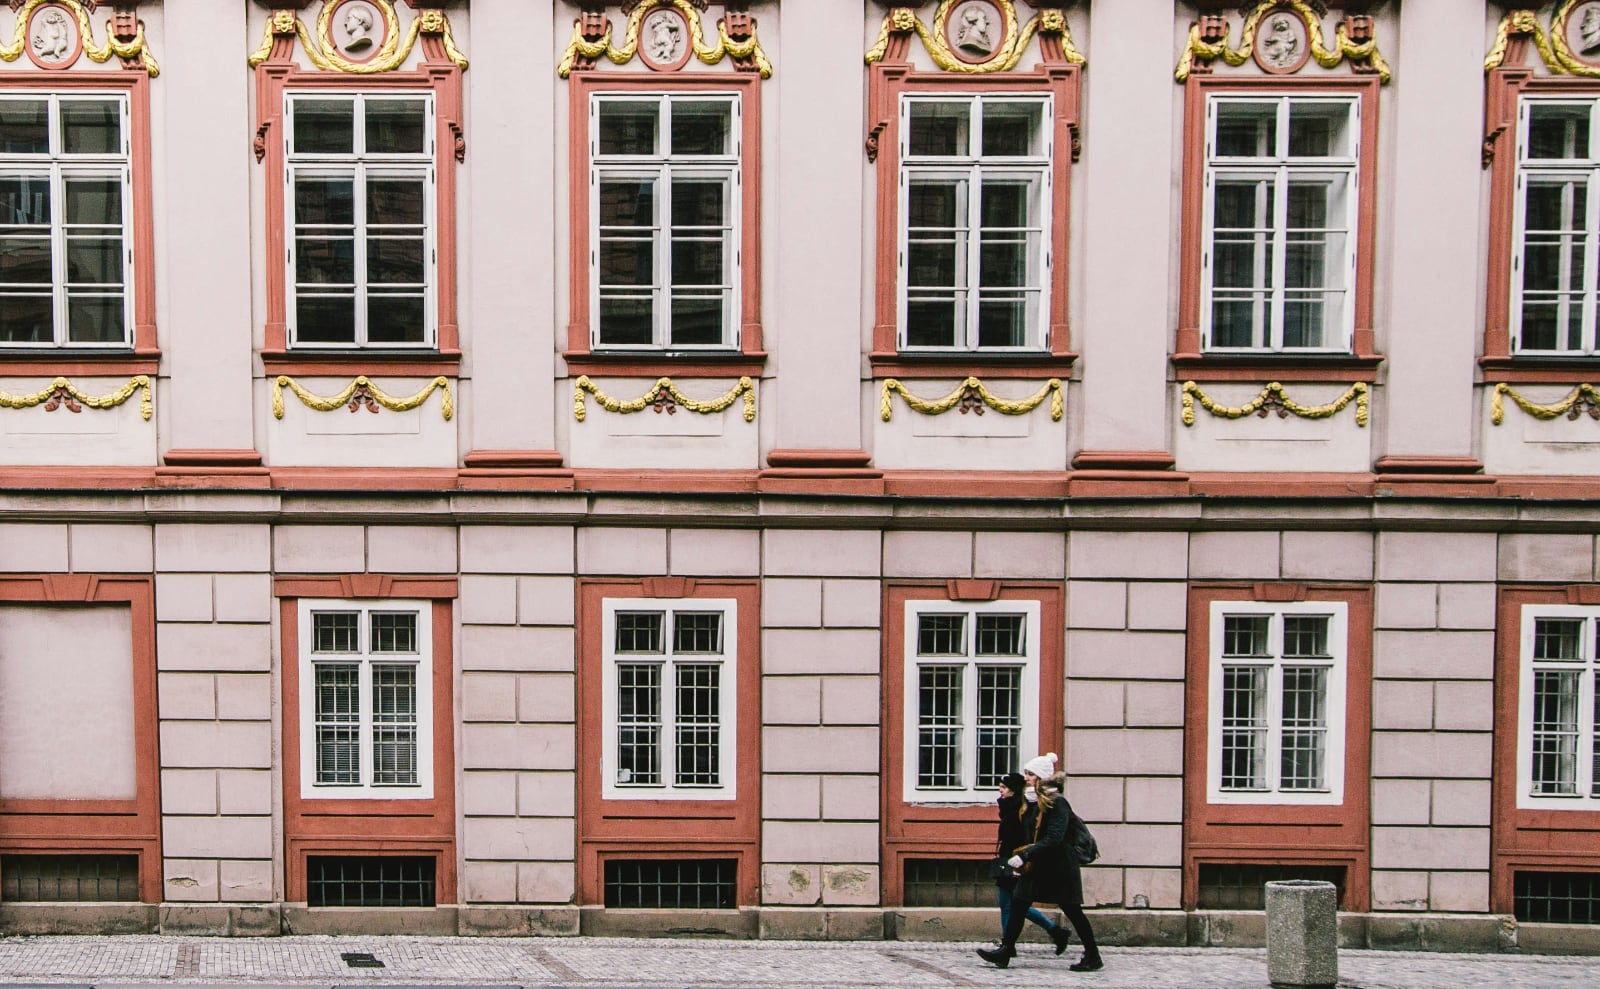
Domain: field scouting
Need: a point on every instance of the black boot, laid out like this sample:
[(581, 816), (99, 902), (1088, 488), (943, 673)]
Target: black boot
[(1058, 934), (1090, 962), (999, 957)]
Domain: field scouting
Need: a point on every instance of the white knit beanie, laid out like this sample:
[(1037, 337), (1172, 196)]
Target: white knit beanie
[(1042, 766)]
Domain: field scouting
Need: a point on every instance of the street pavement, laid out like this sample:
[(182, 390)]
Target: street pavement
[(625, 963)]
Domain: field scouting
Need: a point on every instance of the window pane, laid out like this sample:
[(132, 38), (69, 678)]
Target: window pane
[(1244, 635), (941, 129), (26, 318), (1006, 205), (325, 319), (698, 741), (1302, 763), (95, 200), (1240, 321), (394, 632), (933, 322), (697, 262), (936, 203), (627, 203), (1012, 129), (698, 203), (90, 260), (1244, 728), (1555, 732), (25, 260), (1557, 131), (1004, 322), (335, 631), (628, 128), (91, 127), (1000, 635), (24, 127), (934, 262), (638, 724), (939, 726), (999, 727), (941, 635), (395, 260), (638, 632), (701, 127), (396, 319), (1305, 636), (95, 319), (396, 201), (1310, 319), (1003, 262), (627, 262), (696, 320), (338, 723), (323, 126), (324, 200), (325, 261), (396, 126), (697, 632), (626, 320), (394, 724), (24, 199), (1320, 130), (1558, 640), (1247, 130)]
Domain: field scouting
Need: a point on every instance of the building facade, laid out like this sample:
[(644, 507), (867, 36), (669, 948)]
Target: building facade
[(625, 467)]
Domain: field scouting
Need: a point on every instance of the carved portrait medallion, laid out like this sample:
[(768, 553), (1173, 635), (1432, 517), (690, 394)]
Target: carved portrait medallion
[(54, 40), (664, 42), (1282, 42), (975, 31), (1583, 33), (357, 31)]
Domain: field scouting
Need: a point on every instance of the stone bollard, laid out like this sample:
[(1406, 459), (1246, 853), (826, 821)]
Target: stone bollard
[(1302, 934)]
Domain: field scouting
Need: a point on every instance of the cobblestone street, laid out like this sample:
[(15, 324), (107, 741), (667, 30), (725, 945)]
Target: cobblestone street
[(568, 963)]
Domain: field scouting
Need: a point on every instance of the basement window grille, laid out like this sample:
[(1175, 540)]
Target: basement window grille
[(371, 880), (1243, 885), (680, 884), (69, 878), (948, 883), (1557, 897)]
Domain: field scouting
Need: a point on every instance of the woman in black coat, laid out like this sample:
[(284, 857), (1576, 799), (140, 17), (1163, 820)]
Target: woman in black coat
[(1015, 832), (1047, 871)]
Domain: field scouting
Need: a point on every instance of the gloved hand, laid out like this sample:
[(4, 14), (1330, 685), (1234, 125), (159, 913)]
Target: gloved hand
[(1015, 861)]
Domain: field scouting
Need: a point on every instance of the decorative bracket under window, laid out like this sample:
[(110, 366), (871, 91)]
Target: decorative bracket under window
[(54, 33), (977, 36), (368, 38), (1282, 35), (1521, 25), (971, 396), (1272, 399), (663, 34), (1583, 400)]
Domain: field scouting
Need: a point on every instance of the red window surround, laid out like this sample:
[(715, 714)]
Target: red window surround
[(145, 355), (357, 826), (437, 74), (1503, 90), (888, 81), (659, 829), (1302, 834), (749, 358), (1187, 360), (918, 831), (47, 826), (1537, 840)]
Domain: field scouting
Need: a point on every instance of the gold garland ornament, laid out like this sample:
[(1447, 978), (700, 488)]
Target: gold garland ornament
[(725, 46), (1273, 398), (665, 396), (1343, 47), (133, 50), (1552, 46), (362, 393), (1585, 398), (324, 53), (60, 392), (971, 394), (1006, 55)]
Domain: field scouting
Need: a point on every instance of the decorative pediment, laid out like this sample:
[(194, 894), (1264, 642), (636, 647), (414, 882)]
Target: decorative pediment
[(358, 36), (1281, 37), (977, 36), (54, 34), (665, 35), (1570, 45)]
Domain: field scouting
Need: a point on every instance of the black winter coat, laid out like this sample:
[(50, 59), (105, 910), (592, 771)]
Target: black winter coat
[(1054, 876)]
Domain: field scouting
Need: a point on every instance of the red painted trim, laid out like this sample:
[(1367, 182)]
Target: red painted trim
[(580, 348), (690, 366), (514, 459), (887, 81), (78, 365), (346, 363), (1192, 227), (437, 75), (1533, 371), (986, 366), (1528, 839), (916, 831), (92, 826), (818, 458), (1429, 465), (369, 827), (1195, 367), (211, 458), (668, 828), (1309, 835), (1133, 460)]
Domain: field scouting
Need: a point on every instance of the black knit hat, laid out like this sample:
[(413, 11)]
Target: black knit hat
[(1014, 782)]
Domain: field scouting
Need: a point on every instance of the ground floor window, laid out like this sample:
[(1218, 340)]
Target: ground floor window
[(683, 884), (1558, 897)]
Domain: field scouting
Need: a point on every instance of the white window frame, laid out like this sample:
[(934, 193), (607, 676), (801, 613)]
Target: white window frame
[(59, 165), (972, 168), (1337, 664), (1584, 169), (727, 705), (1279, 169), (1588, 669), (1028, 738), (364, 658), (664, 168), (360, 166)]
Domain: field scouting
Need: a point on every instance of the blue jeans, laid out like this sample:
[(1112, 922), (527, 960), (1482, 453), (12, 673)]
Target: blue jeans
[(1003, 897)]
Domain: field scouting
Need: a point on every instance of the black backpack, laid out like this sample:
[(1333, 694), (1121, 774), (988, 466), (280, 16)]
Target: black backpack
[(1080, 843)]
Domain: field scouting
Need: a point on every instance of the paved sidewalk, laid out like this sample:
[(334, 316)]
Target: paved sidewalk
[(600, 963)]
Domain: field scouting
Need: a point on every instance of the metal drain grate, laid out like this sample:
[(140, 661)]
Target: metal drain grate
[(361, 959)]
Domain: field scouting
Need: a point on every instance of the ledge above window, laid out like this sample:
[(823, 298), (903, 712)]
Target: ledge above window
[(976, 364), (1539, 370), (1278, 367), (402, 362), (57, 362), (666, 363)]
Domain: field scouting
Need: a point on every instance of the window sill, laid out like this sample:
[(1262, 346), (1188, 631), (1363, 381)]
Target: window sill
[(1540, 370), (60, 362), (1284, 367), (662, 364), (971, 364), (404, 363)]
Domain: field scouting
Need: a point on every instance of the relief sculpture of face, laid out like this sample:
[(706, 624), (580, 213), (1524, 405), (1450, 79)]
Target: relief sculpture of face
[(1281, 45)]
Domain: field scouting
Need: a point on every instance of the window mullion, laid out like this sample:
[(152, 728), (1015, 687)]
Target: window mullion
[(968, 753), (359, 251), (661, 291), (972, 277), (1275, 687), (1591, 261), (365, 701), (1280, 246), (58, 252)]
